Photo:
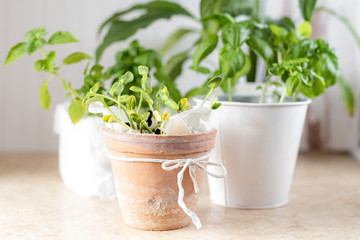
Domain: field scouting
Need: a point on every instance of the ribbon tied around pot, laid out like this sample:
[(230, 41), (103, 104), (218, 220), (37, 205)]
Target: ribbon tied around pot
[(191, 163)]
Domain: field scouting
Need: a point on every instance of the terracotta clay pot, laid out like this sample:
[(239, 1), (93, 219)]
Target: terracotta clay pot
[(147, 194)]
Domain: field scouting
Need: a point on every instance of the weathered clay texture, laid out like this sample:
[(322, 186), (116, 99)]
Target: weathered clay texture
[(147, 194)]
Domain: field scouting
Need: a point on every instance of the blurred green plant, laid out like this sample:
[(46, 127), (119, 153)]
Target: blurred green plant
[(302, 65), (126, 60), (34, 42)]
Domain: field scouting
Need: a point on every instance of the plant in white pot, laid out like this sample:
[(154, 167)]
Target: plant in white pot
[(83, 163), (258, 135), (158, 156), (261, 151)]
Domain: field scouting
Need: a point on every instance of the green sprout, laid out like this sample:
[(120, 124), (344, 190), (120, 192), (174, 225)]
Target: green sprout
[(138, 118)]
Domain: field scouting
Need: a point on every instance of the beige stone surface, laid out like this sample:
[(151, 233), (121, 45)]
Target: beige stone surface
[(324, 204)]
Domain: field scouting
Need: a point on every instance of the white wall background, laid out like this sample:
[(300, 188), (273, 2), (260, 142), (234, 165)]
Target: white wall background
[(25, 126)]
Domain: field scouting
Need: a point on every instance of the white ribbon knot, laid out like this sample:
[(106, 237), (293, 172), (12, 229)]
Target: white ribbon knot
[(169, 165), (191, 164)]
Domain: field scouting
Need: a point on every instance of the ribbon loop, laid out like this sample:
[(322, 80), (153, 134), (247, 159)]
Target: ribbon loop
[(191, 163)]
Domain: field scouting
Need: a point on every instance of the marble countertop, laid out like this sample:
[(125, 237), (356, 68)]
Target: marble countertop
[(324, 204)]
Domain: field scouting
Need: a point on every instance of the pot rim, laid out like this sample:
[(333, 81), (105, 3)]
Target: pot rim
[(158, 136), (299, 102)]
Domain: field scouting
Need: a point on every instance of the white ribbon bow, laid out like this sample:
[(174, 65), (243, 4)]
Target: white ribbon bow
[(191, 164), (170, 165)]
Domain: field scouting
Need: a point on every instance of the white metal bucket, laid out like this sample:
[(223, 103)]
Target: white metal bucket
[(258, 144)]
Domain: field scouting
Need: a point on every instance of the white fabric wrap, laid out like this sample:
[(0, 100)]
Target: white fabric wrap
[(192, 163)]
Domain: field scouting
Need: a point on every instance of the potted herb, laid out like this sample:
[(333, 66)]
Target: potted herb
[(258, 135), (157, 174), (83, 163), (269, 125)]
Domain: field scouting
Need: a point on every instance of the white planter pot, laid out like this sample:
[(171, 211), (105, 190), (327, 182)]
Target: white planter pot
[(83, 163), (258, 144)]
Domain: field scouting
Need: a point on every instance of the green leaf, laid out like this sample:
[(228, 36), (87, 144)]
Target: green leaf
[(126, 78), (47, 64), (241, 7), (327, 67), (76, 110), (171, 85), (146, 85), (143, 70), (215, 81), (163, 94), (297, 60), (35, 45), (35, 33), (173, 67), (231, 60), (291, 84), (171, 105), (307, 8), (305, 29), (347, 94), (261, 48), (278, 31), (95, 88), (136, 89), (203, 70), (148, 99), (62, 37), (174, 38), (235, 34), (116, 89), (45, 98), (317, 88), (215, 106), (204, 49), (222, 18), (130, 104), (75, 58), (183, 104), (15, 53), (122, 29)]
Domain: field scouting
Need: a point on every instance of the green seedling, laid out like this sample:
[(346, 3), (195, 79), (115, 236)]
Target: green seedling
[(213, 84), (142, 120)]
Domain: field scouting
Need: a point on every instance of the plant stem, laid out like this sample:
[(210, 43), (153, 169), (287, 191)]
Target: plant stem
[(295, 96), (158, 105), (283, 96), (116, 118), (128, 117), (70, 89), (268, 78), (106, 97), (42, 53), (156, 126), (119, 109), (140, 102), (279, 57), (207, 96), (147, 128), (229, 89)]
